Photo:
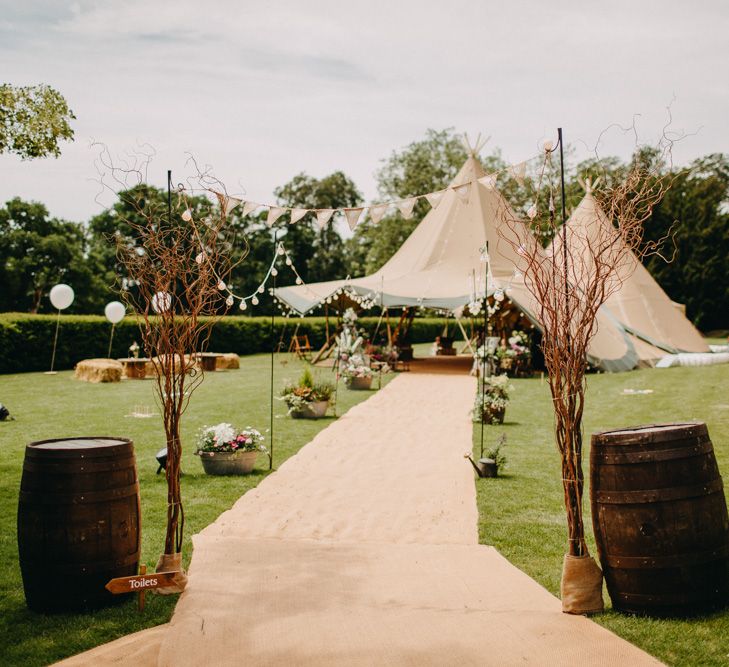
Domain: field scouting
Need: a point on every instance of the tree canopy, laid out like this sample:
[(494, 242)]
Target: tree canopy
[(33, 120)]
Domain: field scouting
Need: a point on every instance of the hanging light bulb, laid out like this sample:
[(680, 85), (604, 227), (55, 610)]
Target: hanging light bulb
[(229, 301), (221, 285), (187, 215), (260, 289), (548, 145), (280, 250), (288, 261), (243, 305), (254, 300), (299, 280), (200, 257), (274, 271)]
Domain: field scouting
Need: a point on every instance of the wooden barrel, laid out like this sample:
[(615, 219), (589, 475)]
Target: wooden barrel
[(78, 521), (660, 519)]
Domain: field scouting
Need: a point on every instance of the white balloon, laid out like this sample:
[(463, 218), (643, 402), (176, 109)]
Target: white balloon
[(61, 296), (161, 302), (115, 311)]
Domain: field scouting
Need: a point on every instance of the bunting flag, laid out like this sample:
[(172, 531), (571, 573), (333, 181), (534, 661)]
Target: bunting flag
[(406, 207), (297, 214), (323, 215), (462, 192), (518, 171), (353, 215), (532, 212), (249, 207), (230, 204), (434, 198), (377, 212), (488, 181), (274, 213)]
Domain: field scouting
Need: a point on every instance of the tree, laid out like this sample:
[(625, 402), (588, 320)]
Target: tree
[(33, 120), (36, 252), (696, 208)]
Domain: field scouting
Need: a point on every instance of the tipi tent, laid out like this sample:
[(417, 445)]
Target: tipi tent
[(436, 265), (655, 324)]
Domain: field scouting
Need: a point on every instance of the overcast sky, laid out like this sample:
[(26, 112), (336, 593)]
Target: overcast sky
[(264, 90)]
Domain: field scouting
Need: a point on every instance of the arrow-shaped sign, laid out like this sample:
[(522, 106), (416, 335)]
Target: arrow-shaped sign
[(141, 582)]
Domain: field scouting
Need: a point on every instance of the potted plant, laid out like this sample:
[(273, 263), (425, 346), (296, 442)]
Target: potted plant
[(307, 399), (490, 405), (357, 376), (226, 450)]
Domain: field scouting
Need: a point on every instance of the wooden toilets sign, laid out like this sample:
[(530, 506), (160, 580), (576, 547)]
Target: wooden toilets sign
[(141, 583)]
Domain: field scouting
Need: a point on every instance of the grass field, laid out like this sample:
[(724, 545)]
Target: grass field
[(522, 513), (58, 406)]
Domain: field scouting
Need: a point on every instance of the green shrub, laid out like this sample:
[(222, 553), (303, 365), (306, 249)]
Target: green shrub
[(26, 341)]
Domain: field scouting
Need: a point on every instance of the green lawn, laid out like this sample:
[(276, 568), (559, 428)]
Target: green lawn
[(58, 406), (522, 514)]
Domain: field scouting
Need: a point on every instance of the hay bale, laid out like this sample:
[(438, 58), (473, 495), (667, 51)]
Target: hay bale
[(98, 370), (152, 368), (226, 361)]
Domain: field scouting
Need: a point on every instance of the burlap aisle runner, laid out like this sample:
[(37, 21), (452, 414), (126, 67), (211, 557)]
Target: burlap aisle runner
[(363, 550)]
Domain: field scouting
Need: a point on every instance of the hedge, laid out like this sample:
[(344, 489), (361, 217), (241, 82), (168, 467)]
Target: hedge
[(26, 340)]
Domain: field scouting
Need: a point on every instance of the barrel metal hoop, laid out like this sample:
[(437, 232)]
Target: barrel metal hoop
[(76, 466), (79, 497), (703, 446), (671, 561), (667, 599), (85, 568), (659, 495)]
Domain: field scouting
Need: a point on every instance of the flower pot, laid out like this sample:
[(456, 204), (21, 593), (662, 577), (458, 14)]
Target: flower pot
[(315, 410), (360, 383), (228, 463), (493, 415)]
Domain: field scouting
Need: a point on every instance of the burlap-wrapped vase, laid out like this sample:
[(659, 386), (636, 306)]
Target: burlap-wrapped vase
[(172, 563), (581, 586)]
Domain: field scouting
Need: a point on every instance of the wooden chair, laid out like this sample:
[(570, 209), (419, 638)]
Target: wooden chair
[(300, 346)]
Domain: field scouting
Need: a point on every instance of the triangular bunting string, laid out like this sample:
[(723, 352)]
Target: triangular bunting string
[(406, 207), (297, 214), (323, 216), (249, 207), (353, 215), (488, 181), (434, 198), (462, 192), (274, 213), (377, 212)]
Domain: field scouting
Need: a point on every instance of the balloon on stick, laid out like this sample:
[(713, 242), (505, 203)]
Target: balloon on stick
[(61, 297), (114, 312)]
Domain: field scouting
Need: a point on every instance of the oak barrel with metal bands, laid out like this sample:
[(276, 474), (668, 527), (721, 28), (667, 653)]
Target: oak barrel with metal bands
[(78, 521), (660, 519)]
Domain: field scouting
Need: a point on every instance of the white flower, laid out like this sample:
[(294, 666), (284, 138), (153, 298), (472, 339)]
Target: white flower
[(223, 432)]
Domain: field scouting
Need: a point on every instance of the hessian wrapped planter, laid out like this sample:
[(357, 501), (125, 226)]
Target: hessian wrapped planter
[(581, 586)]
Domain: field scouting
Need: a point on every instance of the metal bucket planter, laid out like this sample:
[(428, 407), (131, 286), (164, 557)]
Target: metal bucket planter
[(315, 410), (228, 463), (360, 383)]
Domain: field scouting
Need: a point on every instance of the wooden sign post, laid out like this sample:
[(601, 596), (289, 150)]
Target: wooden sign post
[(141, 583)]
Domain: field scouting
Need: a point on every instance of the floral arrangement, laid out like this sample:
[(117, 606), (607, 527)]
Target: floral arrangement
[(519, 346), (357, 370), (224, 437), (349, 345), (349, 318), (490, 405), (298, 396), (496, 454)]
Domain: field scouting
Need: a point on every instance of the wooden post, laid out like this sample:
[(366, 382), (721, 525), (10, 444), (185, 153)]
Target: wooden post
[(142, 593)]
